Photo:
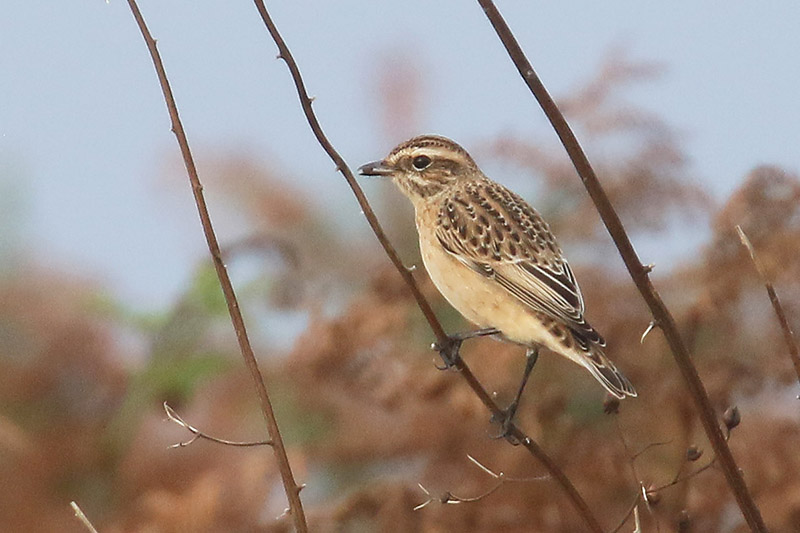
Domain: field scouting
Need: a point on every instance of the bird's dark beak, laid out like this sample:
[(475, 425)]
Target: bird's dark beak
[(376, 168)]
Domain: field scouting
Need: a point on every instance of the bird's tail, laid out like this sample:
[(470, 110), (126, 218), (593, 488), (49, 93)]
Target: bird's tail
[(607, 374)]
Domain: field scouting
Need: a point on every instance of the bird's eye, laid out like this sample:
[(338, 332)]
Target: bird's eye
[(421, 162)]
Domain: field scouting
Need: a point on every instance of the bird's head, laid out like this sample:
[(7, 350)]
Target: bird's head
[(424, 166)]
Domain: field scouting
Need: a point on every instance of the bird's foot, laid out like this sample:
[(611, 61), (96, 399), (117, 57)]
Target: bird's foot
[(506, 420), (450, 347), (506, 416), (449, 351)]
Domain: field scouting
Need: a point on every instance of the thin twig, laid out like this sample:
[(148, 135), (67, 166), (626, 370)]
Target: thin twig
[(788, 334), (681, 478), (631, 456), (406, 273), (628, 513), (647, 492), (642, 492), (175, 417), (637, 270), (290, 487), (82, 517), (500, 478), (650, 327), (649, 447)]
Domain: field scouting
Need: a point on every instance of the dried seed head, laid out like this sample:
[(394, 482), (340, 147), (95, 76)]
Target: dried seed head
[(611, 405), (731, 417), (683, 522), (693, 453), (653, 497)]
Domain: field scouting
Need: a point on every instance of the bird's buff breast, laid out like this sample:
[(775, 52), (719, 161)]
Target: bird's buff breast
[(480, 300)]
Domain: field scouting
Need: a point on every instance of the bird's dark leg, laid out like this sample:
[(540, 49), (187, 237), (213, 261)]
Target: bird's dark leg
[(508, 413), (449, 349)]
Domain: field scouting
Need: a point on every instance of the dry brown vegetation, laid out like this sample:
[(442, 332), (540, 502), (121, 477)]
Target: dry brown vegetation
[(365, 414)]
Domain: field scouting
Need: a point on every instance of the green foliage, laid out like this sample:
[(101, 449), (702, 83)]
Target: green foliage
[(205, 293)]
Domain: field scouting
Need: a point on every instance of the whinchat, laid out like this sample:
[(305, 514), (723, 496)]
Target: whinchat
[(494, 258)]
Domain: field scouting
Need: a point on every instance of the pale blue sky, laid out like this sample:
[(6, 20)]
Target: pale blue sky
[(84, 132)]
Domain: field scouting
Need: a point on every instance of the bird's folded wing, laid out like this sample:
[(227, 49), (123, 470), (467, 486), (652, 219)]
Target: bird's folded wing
[(537, 275)]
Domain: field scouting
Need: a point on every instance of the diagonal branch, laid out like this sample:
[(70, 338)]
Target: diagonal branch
[(342, 167), (513, 431), (788, 335), (638, 272), (290, 487)]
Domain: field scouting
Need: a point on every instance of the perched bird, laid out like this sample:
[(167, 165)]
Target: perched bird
[(493, 257)]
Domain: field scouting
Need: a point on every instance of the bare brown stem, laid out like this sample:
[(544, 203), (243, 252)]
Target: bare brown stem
[(788, 334), (637, 270), (290, 487), (441, 337)]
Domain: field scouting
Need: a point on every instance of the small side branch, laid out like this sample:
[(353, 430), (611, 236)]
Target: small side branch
[(638, 272), (650, 494), (279, 451), (500, 480), (788, 334), (197, 434)]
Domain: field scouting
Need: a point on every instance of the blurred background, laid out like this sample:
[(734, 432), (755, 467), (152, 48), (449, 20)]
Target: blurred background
[(110, 306)]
